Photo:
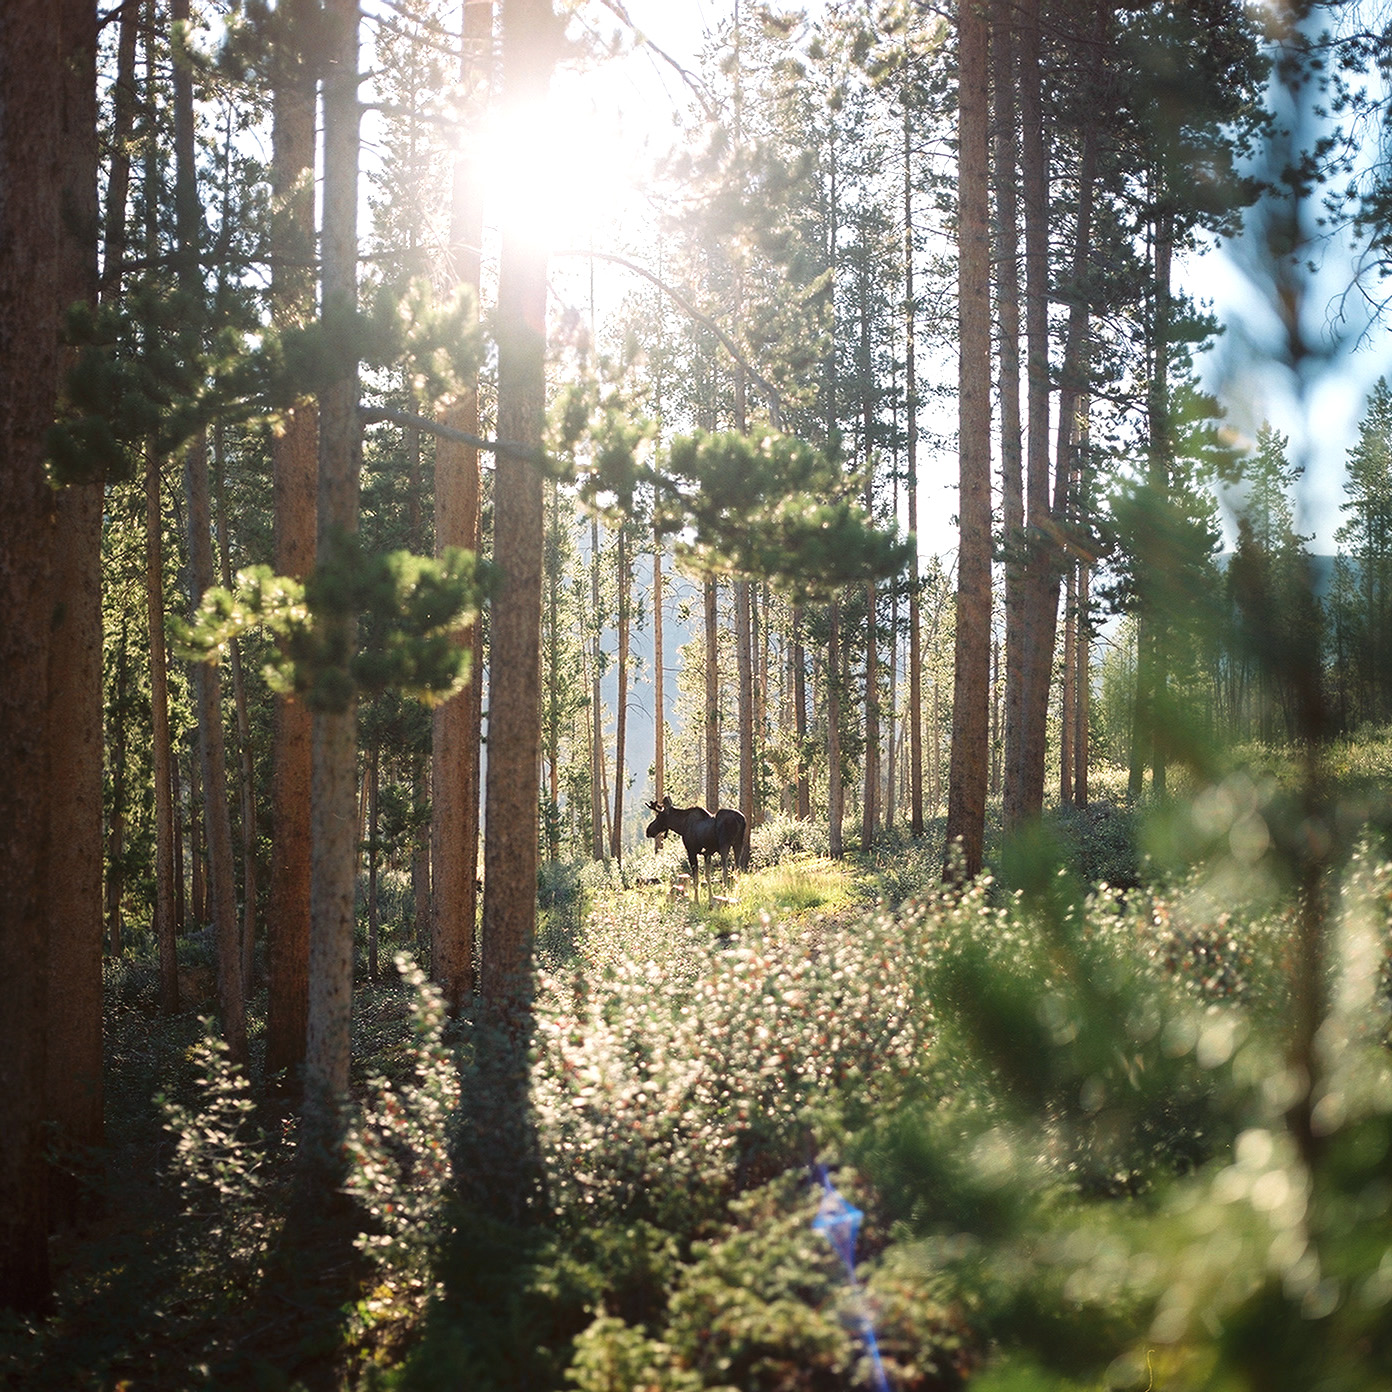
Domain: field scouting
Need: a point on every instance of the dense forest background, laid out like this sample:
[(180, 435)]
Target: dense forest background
[(411, 481)]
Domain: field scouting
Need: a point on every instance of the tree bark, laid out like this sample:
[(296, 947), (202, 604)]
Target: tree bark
[(712, 722), (621, 710), (514, 724), (458, 723), (334, 794), (1005, 179), (659, 708), (31, 49), (966, 815), (911, 446)]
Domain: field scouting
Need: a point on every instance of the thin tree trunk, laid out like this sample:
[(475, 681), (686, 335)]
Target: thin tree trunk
[(1042, 554), (1067, 708), (659, 708), (374, 775), (1005, 179), (836, 796), (207, 679), (245, 756), (712, 722), (599, 808), (804, 787), (161, 749), (621, 710), (911, 445), (116, 828), (744, 667)]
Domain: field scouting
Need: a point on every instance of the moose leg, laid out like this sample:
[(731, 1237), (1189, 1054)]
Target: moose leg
[(695, 875)]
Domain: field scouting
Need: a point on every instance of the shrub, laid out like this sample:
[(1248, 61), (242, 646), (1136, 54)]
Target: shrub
[(782, 837), (766, 1305), (659, 1094), (399, 1167)]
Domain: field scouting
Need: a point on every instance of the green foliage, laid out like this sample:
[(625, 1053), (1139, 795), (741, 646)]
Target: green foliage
[(410, 607), (399, 1167), (221, 1161), (767, 504), (766, 1305)]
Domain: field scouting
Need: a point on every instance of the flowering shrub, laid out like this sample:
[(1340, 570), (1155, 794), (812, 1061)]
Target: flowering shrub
[(667, 1085)]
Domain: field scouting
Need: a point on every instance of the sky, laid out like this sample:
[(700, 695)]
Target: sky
[(634, 101)]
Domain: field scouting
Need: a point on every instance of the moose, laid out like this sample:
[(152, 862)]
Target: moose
[(703, 834)]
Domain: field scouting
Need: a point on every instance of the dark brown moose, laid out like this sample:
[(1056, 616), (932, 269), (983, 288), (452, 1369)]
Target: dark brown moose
[(703, 834)]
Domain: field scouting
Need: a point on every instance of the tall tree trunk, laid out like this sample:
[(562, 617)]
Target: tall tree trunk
[(334, 796), (458, 723), (804, 786), (659, 707), (712, 721), (31, 129), (744, 668), (911, 446), (161, 746), (1082, 686), (598, 804), (74, 720), (514, 724), (1005, 176), (621, 709), (1042, 553), (246, 762), (116, 825), (295, 467), (966, 813), (207, 679), (870, 797), (1151, 677), (836, 794), (374, 851), (1068, 703)]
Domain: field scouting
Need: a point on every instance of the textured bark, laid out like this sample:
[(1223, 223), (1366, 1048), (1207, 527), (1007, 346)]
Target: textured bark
[(334, 794), (295, 466), (30, 63), (514, 724), (1005, 175), (966, 812), (457, 724)]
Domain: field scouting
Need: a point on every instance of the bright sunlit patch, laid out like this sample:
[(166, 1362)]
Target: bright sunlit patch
[(560, 173)]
